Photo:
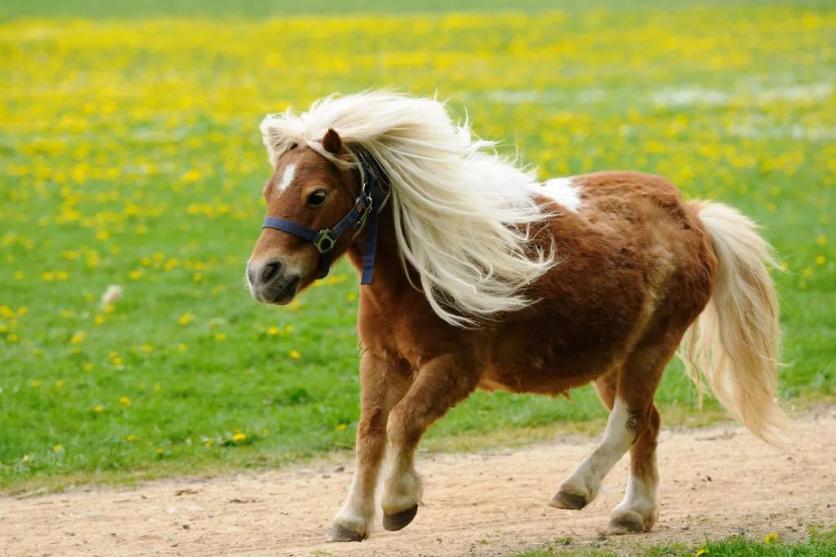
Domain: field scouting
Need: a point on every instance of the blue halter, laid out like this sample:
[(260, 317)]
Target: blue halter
[(364, 212)]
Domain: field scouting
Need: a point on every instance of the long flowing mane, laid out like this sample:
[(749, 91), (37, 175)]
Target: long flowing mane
[(461, 212)]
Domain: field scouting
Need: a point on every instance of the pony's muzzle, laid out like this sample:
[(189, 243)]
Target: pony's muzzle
[(270, 282)]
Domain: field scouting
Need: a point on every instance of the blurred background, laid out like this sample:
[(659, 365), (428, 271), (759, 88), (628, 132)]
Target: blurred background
[(130, 158)]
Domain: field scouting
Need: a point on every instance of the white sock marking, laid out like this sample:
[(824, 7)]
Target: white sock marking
[(617, 440)]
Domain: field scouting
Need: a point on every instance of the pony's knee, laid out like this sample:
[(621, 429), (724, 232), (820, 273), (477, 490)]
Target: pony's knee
[(402, 429)]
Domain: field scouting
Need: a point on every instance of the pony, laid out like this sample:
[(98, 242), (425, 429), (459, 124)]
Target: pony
[(478, 276)]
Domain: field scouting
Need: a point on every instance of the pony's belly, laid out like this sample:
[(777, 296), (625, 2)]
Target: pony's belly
[(531, 379)]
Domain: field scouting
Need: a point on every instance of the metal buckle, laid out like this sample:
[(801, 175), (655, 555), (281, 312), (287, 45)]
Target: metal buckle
[(325, 241), (364, 213)]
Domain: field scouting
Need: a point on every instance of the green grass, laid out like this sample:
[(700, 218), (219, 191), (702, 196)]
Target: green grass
[(266, 8), (818, 544), (129, 155)]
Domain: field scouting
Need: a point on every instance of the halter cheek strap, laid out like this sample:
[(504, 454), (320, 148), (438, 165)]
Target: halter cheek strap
[(364, 212)]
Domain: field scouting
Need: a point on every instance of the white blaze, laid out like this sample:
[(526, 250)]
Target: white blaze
[(287, 177)]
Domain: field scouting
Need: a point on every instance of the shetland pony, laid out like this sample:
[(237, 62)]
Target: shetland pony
[(480, 277)]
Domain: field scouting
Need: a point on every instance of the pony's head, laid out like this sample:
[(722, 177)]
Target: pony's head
[(312, 186), (461, 215)]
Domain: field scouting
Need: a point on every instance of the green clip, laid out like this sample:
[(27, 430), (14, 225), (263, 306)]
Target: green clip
[(325, 241)]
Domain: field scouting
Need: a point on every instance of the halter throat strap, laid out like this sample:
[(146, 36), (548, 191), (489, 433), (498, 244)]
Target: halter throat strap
[(364, 212)]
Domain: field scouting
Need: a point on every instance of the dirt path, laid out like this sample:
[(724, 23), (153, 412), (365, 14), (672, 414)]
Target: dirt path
[(715, 482)]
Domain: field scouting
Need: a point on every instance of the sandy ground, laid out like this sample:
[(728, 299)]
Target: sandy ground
[(715, 482)]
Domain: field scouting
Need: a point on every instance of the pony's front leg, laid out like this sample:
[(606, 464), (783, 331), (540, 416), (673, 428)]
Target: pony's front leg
[(381, 387), (439, 384)]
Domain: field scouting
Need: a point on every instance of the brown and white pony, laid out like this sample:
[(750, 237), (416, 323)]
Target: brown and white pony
[(486, 278)]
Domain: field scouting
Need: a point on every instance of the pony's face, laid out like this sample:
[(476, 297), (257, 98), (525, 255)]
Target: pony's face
[(313, 192)]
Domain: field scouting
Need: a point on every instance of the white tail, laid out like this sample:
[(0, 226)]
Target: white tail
[(735, 342)]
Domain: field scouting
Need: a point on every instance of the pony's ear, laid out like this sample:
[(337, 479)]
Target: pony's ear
[(331, 142)]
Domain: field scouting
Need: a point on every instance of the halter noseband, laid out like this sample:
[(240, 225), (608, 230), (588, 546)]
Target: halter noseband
[(364, 212)]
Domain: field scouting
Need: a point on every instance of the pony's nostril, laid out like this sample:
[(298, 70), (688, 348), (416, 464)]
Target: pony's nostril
[(270, 271)]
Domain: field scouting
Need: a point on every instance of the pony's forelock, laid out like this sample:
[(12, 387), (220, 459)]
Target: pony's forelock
[(462, 214)]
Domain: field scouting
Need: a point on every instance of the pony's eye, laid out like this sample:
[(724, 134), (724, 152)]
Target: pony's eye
[(293, 146), (317, 198)]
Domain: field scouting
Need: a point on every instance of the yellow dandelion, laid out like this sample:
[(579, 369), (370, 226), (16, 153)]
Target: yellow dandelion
[(98, 408), (771, 538), (136, 274), (19, 275), (294, 354), (58, 448), (342, 427), (273, 331), (239, 437), (182, 347), (131, 438), (185, 319), (78, 337), (220, 337), (48, 276), (821, 260), (821, 240), (125, 401)]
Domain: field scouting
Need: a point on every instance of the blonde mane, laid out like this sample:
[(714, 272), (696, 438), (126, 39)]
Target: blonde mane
[(461, 212)]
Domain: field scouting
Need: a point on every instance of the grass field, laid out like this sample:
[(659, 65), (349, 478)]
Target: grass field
[(820, 544), (129, 154)]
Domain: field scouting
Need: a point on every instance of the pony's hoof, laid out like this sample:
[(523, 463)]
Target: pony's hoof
[(400, 519), (569, 501), (340, 533), (627, 522)]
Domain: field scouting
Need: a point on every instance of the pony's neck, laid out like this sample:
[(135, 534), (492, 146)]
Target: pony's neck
[(389, 278)]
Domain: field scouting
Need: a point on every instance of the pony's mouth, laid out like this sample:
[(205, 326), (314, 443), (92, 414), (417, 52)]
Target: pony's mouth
[(281, 293)]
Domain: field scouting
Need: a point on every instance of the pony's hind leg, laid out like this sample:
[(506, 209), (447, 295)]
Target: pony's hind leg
[(381, 389), (633, 424), (637, 512), (582, 486), (439, 384)]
